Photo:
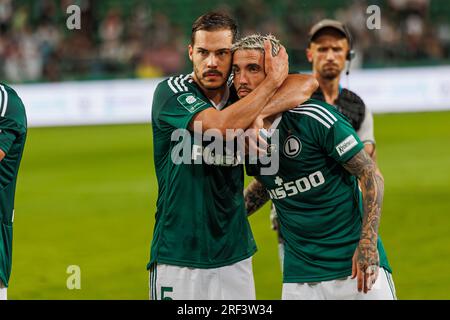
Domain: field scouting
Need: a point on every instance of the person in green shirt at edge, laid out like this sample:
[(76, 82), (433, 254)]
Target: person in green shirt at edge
[(13, 131), (329, 225), (202, 242)]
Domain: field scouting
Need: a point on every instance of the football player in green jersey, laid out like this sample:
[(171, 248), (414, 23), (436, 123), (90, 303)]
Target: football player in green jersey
[(330, 48), (330, 227), (13, 131), (202, 243)]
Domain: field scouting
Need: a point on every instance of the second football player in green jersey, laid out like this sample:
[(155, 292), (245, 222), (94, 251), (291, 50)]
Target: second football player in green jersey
[(318, 201), (330, 227)]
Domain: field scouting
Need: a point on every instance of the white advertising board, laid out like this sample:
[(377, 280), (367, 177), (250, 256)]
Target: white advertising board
[(129, 101)]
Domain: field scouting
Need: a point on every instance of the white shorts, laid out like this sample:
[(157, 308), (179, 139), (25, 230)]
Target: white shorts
[(233, 282), (342, 289), (3, 292)]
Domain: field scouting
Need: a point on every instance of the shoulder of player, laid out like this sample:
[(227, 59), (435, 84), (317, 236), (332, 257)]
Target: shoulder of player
[(317, 112), (174, 86), (11, 105)]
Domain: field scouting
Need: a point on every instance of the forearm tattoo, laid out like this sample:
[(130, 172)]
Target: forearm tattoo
[(372, 187), (255, 196)]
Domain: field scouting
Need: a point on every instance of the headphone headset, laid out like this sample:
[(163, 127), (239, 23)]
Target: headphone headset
[(351, 53)]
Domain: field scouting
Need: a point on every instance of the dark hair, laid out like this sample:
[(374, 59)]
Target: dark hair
[(213, 21)]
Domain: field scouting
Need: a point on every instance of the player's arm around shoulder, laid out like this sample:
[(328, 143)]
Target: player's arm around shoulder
[(296, 89)]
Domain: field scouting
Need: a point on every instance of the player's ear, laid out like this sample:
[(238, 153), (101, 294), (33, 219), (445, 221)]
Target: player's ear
[(309, 55), (190, 51)]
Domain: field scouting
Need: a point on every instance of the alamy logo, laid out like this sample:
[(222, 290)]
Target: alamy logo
[(74, 20), (74, 280), (346, 145), (211, 147)]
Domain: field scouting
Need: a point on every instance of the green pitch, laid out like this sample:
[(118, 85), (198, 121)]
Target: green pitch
[(86, 197)]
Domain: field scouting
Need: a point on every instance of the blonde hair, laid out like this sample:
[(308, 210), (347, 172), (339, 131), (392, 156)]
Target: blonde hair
[(256, 42)]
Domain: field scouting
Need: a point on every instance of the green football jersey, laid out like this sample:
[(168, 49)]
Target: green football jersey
[(318, 201), (13, 130), (201, 220)]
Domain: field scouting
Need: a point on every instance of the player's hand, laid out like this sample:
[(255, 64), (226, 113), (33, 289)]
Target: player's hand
[(365, 265), (276, 68)]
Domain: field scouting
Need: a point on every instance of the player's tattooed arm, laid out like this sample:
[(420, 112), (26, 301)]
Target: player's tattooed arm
[(255, 196), (366, 259)]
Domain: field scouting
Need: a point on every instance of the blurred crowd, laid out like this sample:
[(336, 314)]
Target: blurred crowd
[(36, 45), (42, 48)]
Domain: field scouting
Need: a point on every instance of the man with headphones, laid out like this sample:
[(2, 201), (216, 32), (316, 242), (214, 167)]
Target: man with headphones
[(330, 49)]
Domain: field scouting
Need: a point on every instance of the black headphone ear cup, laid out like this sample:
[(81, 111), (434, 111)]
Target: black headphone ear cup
[(350, 55), (351, 52)]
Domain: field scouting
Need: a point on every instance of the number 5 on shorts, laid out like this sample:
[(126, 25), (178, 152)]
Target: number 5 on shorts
[(164, 291)]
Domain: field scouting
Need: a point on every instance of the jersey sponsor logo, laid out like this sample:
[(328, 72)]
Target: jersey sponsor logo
[(190, 102), (292, 147), (213, 148), (292, 188), (346, 145), (210, 157)]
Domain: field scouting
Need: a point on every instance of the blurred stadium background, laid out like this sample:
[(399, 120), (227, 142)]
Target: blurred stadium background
[(86, 194)]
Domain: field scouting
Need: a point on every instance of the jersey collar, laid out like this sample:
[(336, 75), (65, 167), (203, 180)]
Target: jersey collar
[(222, 102)]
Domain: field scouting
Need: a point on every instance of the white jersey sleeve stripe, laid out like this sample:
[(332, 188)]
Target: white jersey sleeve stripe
[(169, 82), (184, 85), (182, 79), (321, 108), (4, 102), (313, 116), (177, 85), (320, 113), (1, 98)]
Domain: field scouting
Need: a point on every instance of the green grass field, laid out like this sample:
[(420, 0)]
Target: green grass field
[(86, 196)]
